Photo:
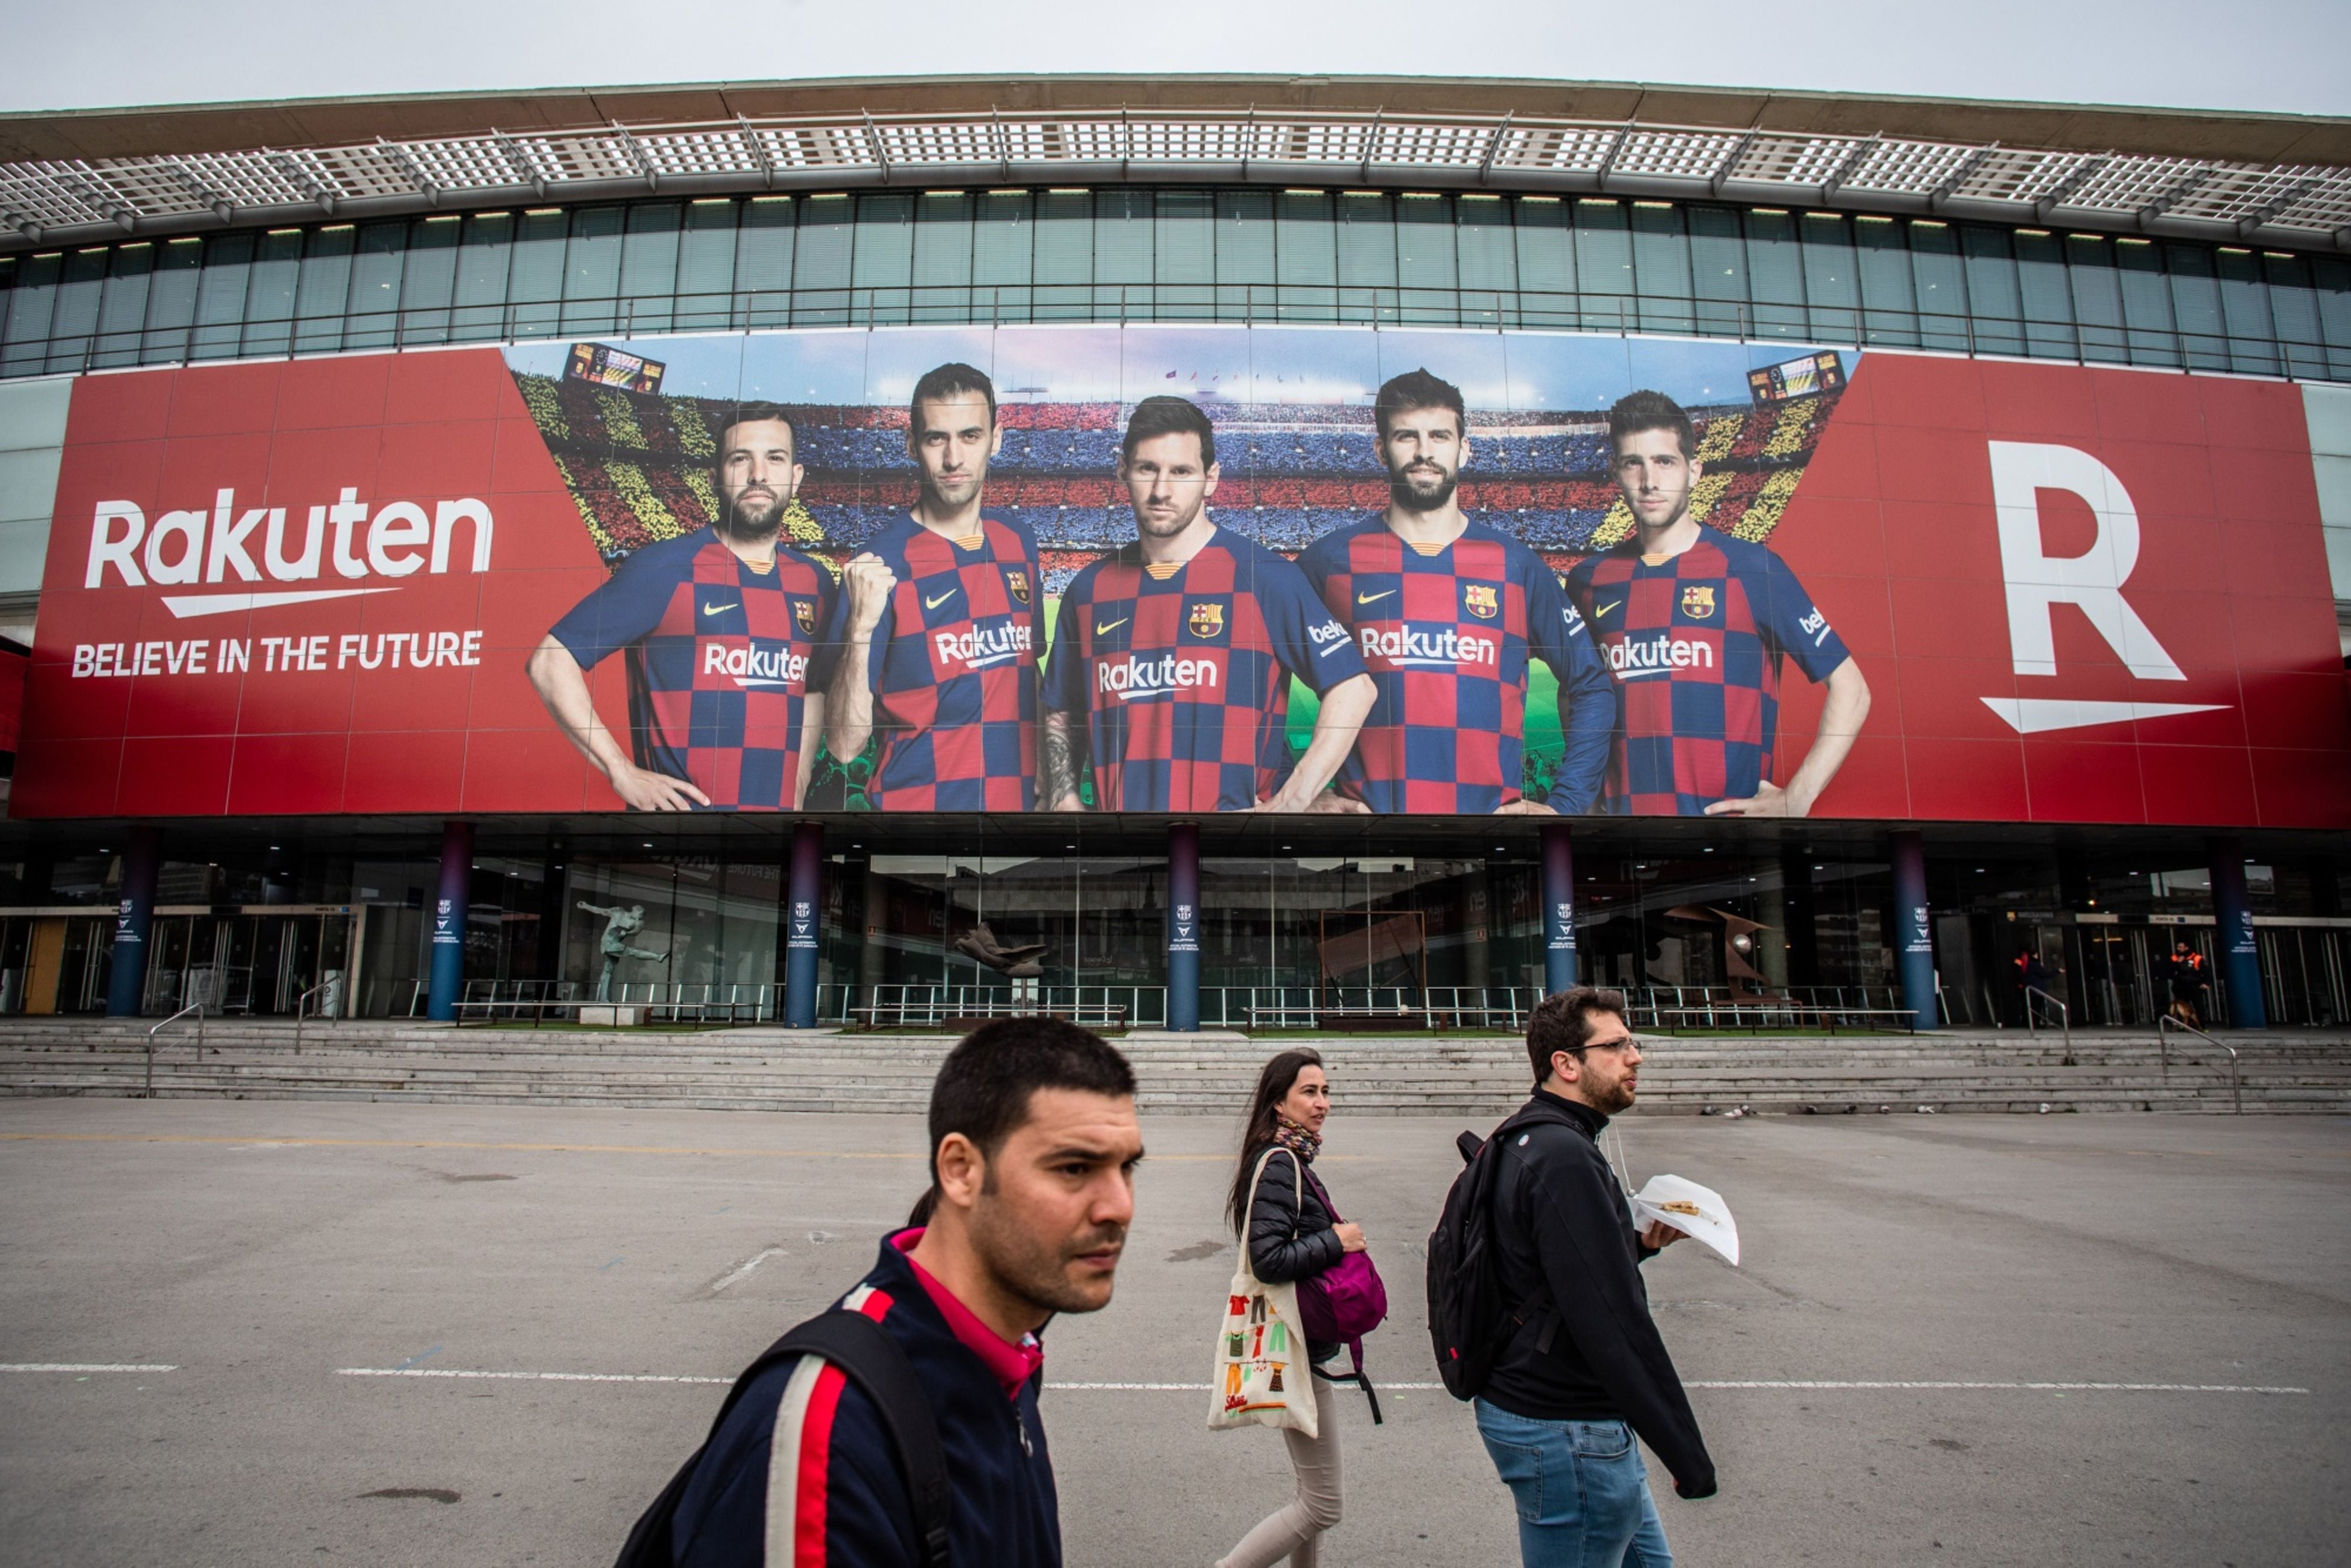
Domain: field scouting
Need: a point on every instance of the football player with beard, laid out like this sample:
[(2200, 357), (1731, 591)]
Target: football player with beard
[(718, 626)]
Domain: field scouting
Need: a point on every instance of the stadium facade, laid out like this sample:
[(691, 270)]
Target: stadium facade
[(2017, 437)]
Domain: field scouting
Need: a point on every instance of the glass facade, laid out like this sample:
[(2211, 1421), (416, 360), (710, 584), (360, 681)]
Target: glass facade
[(889, 258)]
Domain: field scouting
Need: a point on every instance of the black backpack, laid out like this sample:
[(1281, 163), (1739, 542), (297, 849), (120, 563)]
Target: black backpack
[(863, 1350), (1470, 1323)]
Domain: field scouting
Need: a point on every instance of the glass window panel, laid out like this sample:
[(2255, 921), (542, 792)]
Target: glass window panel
[(2196, 306), (882, 266), (2245, 308), (1889, 310), (32, 305), (484, 253), (375, 285), (1604, 265), (1661, 268), (1367, 257), (1546, 261), (1996, 315), (1486, 255), (536, 280), (2331, 278), (1718, 271), (2293, 307), (1123, 242), (1941, 280), (1244, 254), (943, 256), (1064, 254), (171, 300), (591, 269), (1775, 274), (79, 289), (822, 270), (1185, 259), (323, 292), (429, 282), (2147, 303), (1832, 286), (123, 314), (269, 293), (648, 286), (1306, 256), (220, 297), (1003, 258), (763, 261), (2097, 297), (1428, 271), (2048, 302)]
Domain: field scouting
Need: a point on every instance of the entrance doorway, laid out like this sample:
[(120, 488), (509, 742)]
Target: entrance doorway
[(261, 960)]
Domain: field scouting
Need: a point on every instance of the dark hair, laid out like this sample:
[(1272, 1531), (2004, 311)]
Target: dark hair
[(1417, 389), (1645, 410), (951, 380), (755, 413), (1563, 1023), (1166, 416), (985, 1085), (1273, 1085)]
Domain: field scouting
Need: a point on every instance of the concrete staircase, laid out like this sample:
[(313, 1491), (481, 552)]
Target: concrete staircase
[(1472, 1076)]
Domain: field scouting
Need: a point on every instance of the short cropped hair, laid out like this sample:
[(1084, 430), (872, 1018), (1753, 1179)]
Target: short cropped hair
[(1418, 389), (1636, 411), (987, 1081), (1166, 416), (1563, 1023), (757, 413), (953, 378)]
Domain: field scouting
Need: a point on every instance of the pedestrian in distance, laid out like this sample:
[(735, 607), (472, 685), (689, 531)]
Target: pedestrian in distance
[(1580, 1368), (1293, 1234), (909, 1435)]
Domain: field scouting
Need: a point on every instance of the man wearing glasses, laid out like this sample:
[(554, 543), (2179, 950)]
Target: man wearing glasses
[(1585, 1370)]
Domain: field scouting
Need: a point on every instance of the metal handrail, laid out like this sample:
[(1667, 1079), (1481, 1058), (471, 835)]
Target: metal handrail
[(195, 1008), (300, 1003), (2065, 1019), (2163, 1046)]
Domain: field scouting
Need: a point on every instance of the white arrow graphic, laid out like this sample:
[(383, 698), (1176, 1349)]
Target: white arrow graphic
[(2035, 715)]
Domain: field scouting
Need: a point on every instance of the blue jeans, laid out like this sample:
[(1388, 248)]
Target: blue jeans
[(1582, 1489)]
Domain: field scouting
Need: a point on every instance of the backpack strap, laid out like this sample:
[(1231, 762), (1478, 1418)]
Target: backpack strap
[(869, 1357)]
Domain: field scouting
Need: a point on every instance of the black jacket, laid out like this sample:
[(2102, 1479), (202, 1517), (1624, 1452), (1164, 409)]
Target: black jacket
[(1289, 1243), (1570, 1260)]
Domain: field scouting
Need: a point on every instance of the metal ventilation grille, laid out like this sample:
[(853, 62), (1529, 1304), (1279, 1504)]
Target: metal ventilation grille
[(60, 200)]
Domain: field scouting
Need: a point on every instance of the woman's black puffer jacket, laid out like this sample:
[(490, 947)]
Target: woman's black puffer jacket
[(1286, 1243)]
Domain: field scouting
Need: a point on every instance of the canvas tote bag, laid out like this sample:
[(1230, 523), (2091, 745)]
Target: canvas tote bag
[(1261, 1377)]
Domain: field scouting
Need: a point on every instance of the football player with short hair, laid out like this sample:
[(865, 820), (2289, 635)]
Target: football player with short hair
[(1169, 680), (1447, 613), (1695, 625), (718, 627)]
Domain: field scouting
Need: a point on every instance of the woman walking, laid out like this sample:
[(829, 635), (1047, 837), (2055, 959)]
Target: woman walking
[(1292, 1240)]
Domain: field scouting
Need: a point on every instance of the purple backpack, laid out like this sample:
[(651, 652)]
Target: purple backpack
[(1346, 1300)]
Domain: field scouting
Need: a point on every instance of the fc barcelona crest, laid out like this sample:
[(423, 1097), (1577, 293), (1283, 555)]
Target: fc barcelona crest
[(1483, 601), (804, 616), (1208, 619), (1016, 583), (1697, 601)]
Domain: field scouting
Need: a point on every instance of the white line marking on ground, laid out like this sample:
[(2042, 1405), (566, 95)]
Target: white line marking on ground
[(529, 1376), (750, 1263), (84, 1367), (1203, 1388)]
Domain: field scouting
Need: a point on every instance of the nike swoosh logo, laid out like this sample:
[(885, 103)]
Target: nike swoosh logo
[(716, 609), (930, 603), (1604, 610), (1372, 598), (1106, 631)]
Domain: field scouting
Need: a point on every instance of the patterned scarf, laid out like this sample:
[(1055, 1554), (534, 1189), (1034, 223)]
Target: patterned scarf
[(1300, 1140)]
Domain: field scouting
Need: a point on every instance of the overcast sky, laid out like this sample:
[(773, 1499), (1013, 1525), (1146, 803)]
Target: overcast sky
[(2281, 56)]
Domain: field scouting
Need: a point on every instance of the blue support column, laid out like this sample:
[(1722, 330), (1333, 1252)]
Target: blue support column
[(1184, 927), (1559, 908), (1913, 928), (135, 920), (2233, 915), (804, 895), (446, 981)]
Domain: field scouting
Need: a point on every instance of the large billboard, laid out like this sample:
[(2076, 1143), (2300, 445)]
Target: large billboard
[(1187, 569)]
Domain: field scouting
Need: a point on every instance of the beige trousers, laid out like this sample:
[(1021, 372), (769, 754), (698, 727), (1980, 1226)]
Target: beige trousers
[(1295, 1529)]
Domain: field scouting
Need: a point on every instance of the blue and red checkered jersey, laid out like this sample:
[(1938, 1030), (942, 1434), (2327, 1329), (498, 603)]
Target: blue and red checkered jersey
[(954, 669), (1184, 674), (1695, 640), (718, 659), (1447, 636)]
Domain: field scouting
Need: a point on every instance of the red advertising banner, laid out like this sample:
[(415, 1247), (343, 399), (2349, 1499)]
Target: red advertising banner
[(359, 585)]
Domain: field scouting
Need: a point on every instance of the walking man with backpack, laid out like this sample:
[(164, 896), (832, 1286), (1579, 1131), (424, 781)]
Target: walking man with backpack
[(1538, 1310), (901, 1429)]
